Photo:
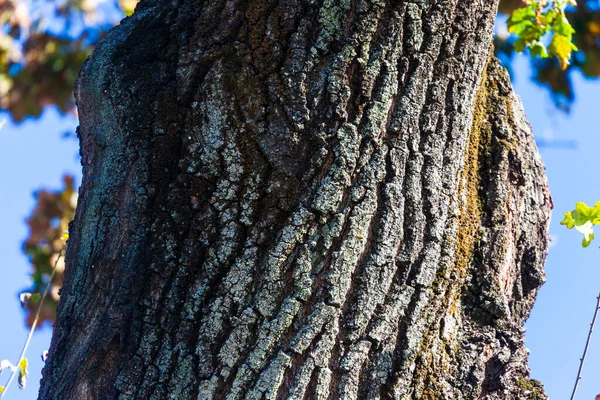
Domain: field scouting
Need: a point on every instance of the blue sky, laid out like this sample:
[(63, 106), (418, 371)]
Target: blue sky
[(35, 155), (559, 323)]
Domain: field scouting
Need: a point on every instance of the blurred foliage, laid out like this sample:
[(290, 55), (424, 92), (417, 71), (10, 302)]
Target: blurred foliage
[(47, 226), (43, 43), (543, 28), (585, 19)]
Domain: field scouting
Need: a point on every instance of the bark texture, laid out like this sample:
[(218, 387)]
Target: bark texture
[(301, 200)]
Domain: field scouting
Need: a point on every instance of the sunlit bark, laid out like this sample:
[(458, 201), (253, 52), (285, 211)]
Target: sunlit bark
[(301, 200)]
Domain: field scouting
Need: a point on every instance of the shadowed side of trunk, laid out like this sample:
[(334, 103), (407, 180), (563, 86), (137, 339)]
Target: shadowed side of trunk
[(292, 200)]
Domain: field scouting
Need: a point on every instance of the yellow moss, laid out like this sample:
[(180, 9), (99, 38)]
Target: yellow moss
[(431, 367), (470, 216), (507, 145), (532, 388), (428, 370)]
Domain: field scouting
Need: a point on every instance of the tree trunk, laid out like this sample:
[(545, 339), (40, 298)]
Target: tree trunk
[(301, 200)]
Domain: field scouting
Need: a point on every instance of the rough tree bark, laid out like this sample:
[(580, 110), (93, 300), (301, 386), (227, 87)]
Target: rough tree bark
[(301, 200)]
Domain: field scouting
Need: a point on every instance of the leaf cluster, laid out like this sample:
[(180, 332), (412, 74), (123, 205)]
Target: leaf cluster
[(583, 218), (585, 21), (537, 19)]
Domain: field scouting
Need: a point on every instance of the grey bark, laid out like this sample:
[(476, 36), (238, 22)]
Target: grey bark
[(301, 200)]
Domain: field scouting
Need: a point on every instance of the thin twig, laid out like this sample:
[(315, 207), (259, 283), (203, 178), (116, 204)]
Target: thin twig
[(587, 344), (35, 321)]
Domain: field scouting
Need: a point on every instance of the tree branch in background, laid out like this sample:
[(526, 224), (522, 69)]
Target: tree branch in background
[(587, 344), (21, 366)]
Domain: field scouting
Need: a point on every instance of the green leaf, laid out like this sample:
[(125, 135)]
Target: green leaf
[(521, 14), (568, 220), (563, 27), (551, 16), (519, 27), (538, 49), (520, 45), (561, 47)]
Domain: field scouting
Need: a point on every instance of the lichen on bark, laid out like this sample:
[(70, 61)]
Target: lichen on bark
[(292, 199)]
